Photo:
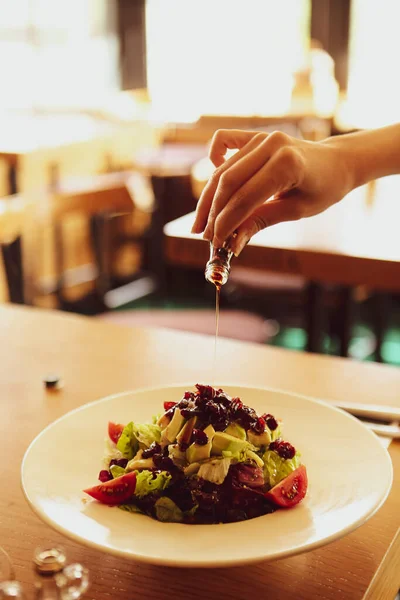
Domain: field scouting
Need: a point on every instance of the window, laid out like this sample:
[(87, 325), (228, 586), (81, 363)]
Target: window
[(223, 56), (373, 91), (56, 52)]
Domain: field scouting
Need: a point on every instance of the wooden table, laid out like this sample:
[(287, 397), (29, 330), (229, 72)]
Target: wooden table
[(96, 359), (355, 242), (41, 148)]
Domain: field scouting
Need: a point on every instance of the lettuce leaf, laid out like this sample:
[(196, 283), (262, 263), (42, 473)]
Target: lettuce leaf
[(276, 433), (132, 508), (277, 468), (127, 443), (117, 471), (215, 470), (133, 435), (167, 511), (192, 511), (148, 481), (147, 433), (110, 451)]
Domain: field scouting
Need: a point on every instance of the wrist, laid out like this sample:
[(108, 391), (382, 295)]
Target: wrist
[(345, 163), (369, 154)]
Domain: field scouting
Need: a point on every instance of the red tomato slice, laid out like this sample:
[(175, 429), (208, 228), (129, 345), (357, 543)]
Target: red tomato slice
[(114, 431), (291, 490), (116, 491)]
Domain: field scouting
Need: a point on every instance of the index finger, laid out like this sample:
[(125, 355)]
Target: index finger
[(227, 139), (206, 198)]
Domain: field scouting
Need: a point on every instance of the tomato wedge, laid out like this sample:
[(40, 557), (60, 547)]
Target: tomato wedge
[(114, 431), (291, 490), (114, 492)]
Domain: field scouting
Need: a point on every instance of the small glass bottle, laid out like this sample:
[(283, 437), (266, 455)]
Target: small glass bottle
[(219, 265), (48, 562), (72, 581)]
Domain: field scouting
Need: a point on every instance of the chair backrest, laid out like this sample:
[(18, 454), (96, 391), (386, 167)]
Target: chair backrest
[(89, 196), (112, 193), (13, 210), (12, 217)]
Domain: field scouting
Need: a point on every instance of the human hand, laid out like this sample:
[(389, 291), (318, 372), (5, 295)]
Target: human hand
[(272, 178)]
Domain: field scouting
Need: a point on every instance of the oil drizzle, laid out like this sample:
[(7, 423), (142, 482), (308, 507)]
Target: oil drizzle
[(217, 298)]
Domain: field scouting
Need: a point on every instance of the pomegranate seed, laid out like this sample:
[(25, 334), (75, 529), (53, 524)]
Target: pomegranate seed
[(199, 437), (105, 476), (163, 463), (236, 404), (286, 450), (120, 462), (271, 422), (154, 449), (169, 405), (275, 445), (187, 395), (259, 426), (221, 424), (188, 413), (206, 391), (170, 412)]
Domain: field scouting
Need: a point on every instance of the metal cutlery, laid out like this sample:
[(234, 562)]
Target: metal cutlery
[(382, 420)]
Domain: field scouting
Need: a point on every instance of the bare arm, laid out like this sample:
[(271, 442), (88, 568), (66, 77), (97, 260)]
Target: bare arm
[(370, 154), (275, 178)]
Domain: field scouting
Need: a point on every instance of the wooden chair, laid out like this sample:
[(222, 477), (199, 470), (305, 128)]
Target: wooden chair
[(109, 194), (20, 215), (13, 221)]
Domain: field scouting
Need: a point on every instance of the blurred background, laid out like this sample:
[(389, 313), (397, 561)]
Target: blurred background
[(107, 108)]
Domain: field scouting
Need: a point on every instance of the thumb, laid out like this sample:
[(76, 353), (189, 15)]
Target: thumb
[(270, 213)]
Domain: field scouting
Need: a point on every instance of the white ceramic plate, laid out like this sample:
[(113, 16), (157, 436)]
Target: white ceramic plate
[(350, 475)]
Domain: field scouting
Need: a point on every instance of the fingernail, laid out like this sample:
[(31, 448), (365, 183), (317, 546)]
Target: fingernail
[(239, 244)]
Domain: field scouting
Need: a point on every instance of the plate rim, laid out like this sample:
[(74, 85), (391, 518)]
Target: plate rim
[(197, 563)]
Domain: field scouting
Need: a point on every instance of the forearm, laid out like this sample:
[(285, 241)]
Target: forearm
[(370, 154)]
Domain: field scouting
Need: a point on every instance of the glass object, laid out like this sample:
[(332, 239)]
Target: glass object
[(11, 589), (54, 579), (219, 265), (48, 561), (6, 568), (73, 581)]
